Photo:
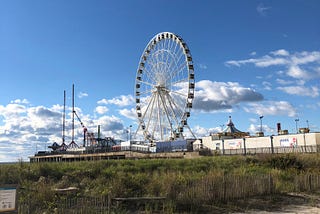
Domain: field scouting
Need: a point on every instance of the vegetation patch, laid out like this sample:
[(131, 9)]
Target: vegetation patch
[(188, 185)]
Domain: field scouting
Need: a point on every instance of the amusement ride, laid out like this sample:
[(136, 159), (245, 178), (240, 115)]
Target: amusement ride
[(164, 88)]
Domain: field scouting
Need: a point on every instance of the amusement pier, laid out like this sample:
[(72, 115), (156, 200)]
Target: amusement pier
[(164, 93)]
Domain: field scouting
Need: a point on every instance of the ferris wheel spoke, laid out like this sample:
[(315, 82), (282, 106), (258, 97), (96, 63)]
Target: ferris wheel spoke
[(177, 71), (171, 106), (145, 93), (185, 80), (147, 108), (183, 95), (159, 115), (178, 104), (147, 83), (151, 112), (150, 75), (165, 107)]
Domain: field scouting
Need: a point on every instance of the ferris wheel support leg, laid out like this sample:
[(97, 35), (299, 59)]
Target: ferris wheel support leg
[(191, 131)]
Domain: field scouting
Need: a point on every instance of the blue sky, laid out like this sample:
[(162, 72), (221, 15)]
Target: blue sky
[(251, 58)]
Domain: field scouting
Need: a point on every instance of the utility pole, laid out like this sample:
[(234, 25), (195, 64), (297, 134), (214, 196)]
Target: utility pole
[(64, 118), (297, 120), (73, 113), (261, 123)]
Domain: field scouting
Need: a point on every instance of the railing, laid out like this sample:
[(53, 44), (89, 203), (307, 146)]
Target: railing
[(269, 150)]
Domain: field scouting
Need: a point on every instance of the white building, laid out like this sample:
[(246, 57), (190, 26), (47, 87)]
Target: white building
[(301, 142), (233, 141)]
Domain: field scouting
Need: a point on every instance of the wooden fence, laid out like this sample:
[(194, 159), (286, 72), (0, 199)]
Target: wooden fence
[(208, 190)]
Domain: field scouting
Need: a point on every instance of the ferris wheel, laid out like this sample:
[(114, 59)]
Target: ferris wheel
[(164, 88)]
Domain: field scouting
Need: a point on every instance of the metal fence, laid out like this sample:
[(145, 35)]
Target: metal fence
[(270, 150)]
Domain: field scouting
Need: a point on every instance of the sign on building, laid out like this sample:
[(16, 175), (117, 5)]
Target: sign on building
[(288, 142)]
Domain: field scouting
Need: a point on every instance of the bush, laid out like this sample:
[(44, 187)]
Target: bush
[(284, 162)]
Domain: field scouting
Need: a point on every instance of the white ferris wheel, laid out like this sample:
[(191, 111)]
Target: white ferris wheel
[(164, 88)]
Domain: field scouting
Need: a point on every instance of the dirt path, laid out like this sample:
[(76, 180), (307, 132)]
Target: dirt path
[(283, 204)]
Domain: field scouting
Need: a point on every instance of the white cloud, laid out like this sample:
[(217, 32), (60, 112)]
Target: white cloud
[(267, 85), (298, 73), (200, 131), (264, 61), (25, 129), (272, 108), (101, 109), (280, 52), (284, 82), (203, 66), (19, 101), (254, 128), (305, 57), (82, 94), (301, 65), (212, 96), (129, 113), (312, 91), (262, 10), (110, 123), (119, 101)]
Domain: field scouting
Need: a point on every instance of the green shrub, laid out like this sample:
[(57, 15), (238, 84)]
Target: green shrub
[(286, 161)]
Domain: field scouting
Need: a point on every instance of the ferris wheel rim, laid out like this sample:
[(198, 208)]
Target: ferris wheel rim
[(160, 88)]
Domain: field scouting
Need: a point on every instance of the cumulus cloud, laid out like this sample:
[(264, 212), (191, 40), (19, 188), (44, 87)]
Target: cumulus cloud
[(254, 128), (27, 126), (118, 101), (110, 123), (129, 113), (201, 131), (272, 108), (101, 109), (11, 110), (25, 129), (212, 96)]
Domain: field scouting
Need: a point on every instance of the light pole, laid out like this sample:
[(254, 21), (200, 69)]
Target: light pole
[(261, 123), (130, 133), (307, 123), (297, 120)]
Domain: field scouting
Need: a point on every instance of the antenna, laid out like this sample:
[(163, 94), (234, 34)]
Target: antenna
[(72, 113), (64, 117)]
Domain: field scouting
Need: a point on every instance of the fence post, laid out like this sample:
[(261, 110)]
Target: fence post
[(270, 184), (244, 146), (271, 141), (310, 182), (222, 146), (224, 187)]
